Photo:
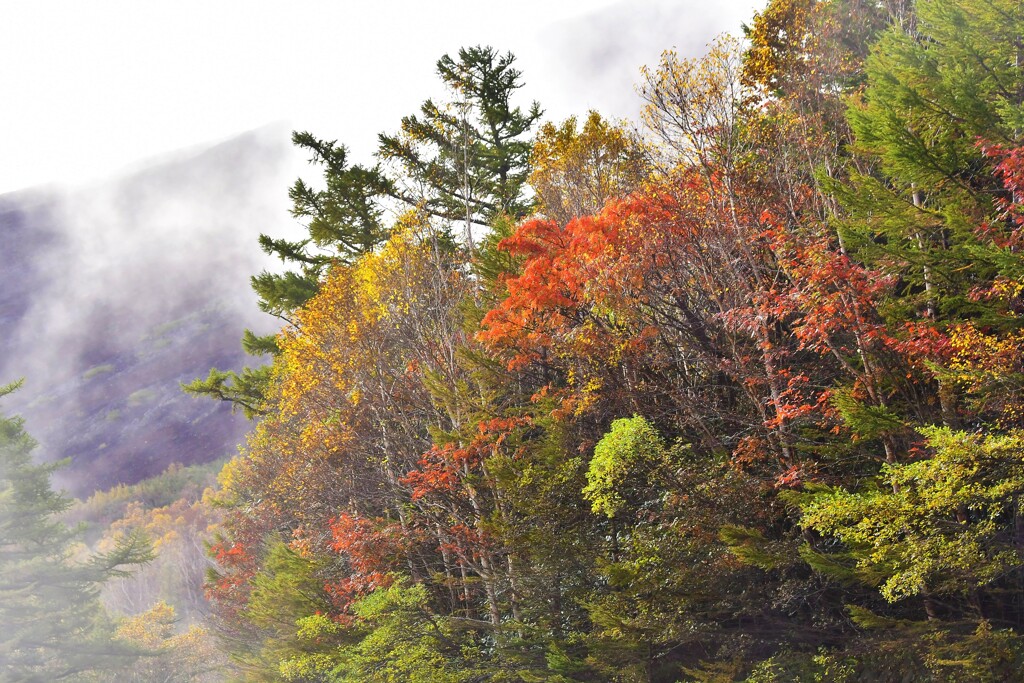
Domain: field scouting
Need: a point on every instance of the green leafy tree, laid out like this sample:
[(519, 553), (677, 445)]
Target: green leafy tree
[(403, 640), (343, 220), (270, 643), (623, 460), (942, 526)]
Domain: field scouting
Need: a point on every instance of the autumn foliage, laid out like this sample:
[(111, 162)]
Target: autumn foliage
[(723, 419)]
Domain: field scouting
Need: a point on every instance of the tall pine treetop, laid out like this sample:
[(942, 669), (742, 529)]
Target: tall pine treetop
[(467, 159)]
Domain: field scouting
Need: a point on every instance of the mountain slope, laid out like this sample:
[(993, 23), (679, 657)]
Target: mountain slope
[(112, 295)]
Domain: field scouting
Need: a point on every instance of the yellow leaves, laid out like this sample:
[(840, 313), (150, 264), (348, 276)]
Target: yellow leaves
[(342, 371), (337, 332), (589, 395), (979, 352), (778, 37), (321, 438), (576, 171), (693, 105), (151, 628), (1007, 290), (229, 474), (164, 526), (182, 656), (988, 366)]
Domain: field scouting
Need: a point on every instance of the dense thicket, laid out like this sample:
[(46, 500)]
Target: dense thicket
[(739, 400)]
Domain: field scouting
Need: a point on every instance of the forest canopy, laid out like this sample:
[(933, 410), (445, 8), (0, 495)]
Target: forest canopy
[(733, 395)]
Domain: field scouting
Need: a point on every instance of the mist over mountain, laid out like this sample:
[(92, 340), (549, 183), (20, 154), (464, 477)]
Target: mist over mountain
[(111, 295)]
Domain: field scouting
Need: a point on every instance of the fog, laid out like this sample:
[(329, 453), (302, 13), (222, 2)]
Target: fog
[(595, 59), (107, 82), (116, 292)]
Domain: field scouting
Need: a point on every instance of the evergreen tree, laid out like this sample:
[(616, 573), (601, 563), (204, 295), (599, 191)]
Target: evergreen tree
[(343, 222), (933, 97), (468, 159), (53, 625), (287, 594)]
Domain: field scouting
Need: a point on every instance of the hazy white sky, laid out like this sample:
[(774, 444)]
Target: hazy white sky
[(90, 86)]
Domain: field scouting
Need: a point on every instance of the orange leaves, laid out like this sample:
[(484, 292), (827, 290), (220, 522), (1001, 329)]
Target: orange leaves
[(1010, 170), (443, 468), (370, 546), (439, 469), (920, 342), (373, 552), (605, 289), (574, 277), (542, 296), (236, 566), (831, 299), (226, 554)]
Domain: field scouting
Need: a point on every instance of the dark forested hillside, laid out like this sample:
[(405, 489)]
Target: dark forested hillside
[(111, 296)]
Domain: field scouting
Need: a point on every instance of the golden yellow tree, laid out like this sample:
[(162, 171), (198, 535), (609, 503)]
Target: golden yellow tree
[(576, 170)]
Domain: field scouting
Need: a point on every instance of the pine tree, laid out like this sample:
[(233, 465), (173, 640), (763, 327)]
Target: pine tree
[(344, 222), (468, 159), (933, 98), (53, 625)]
